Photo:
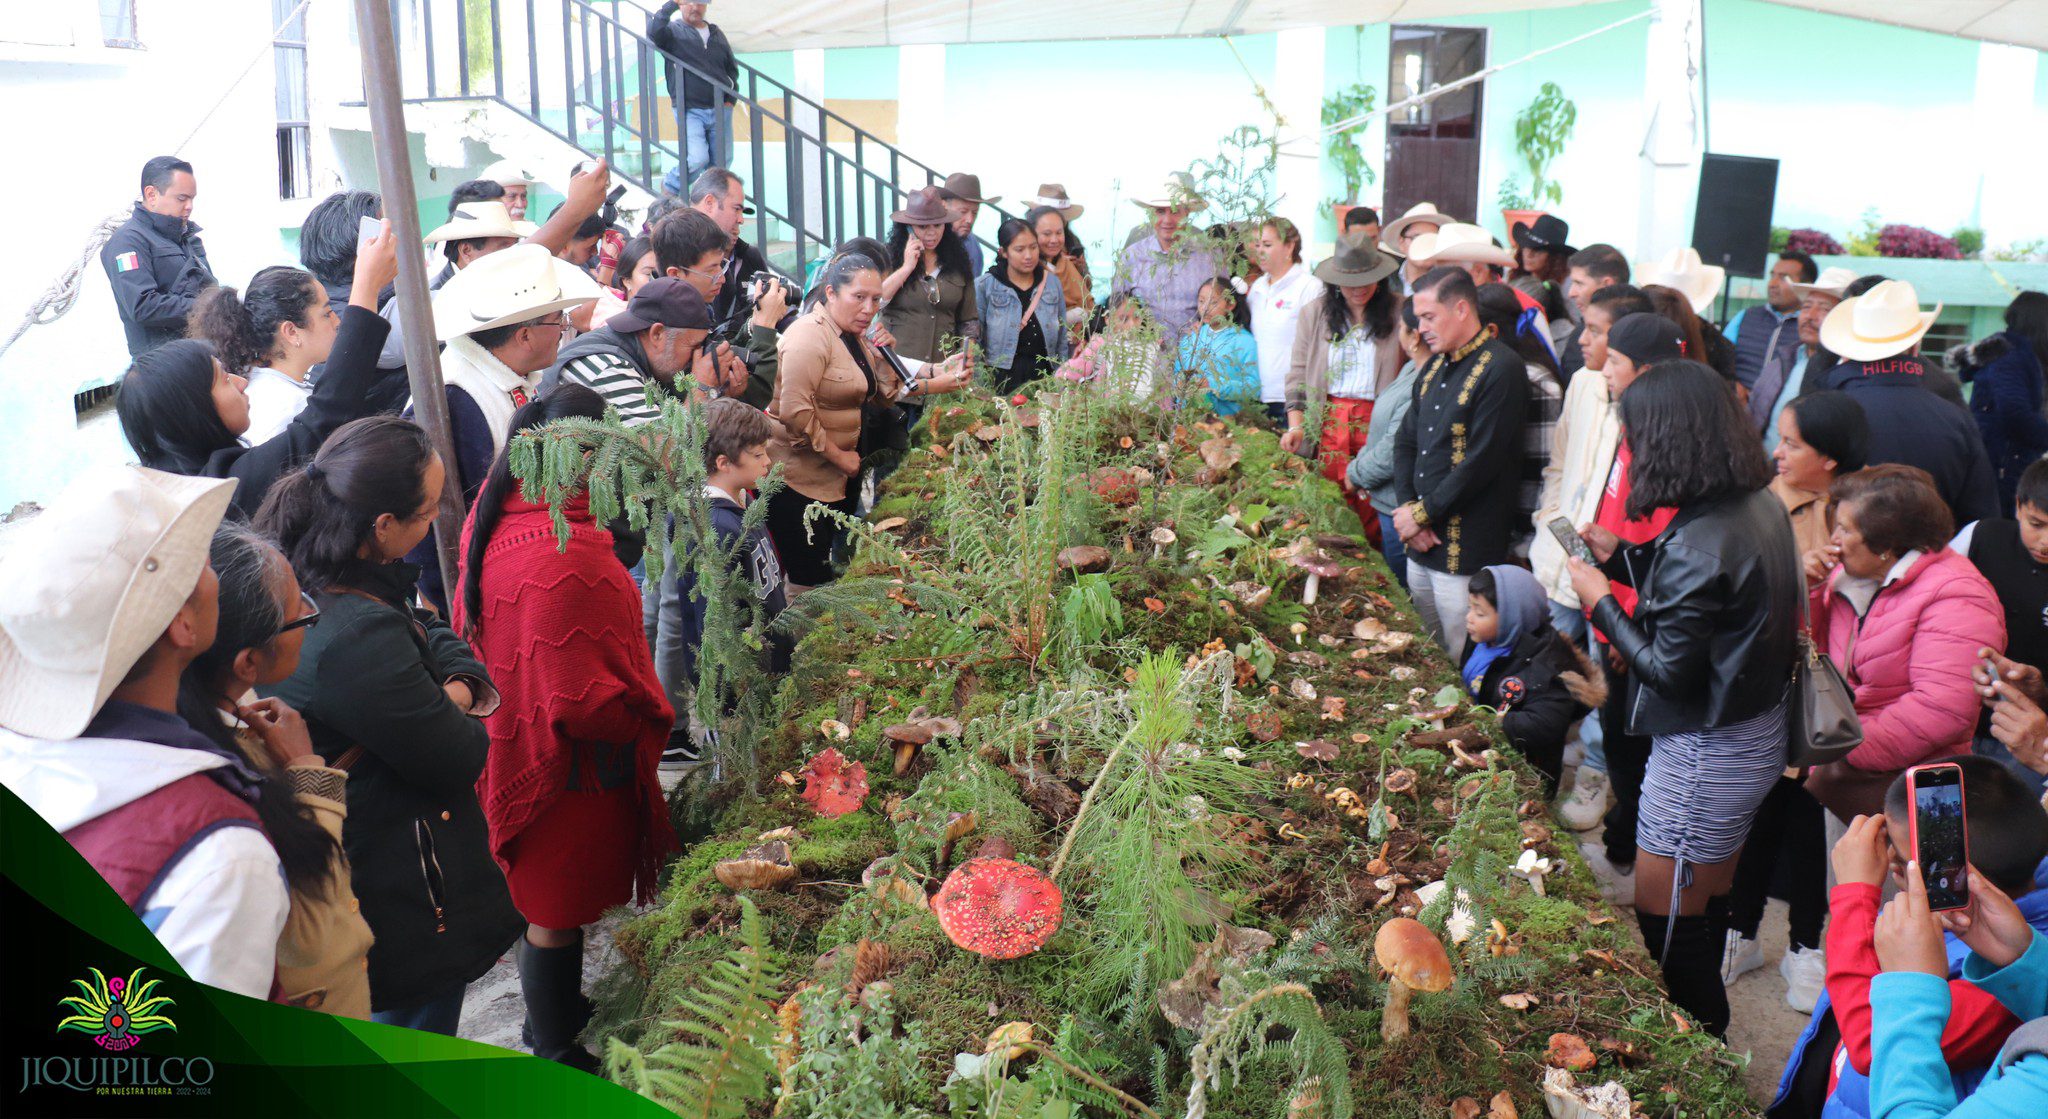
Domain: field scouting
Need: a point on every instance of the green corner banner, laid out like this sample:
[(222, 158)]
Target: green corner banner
[(101, 1021)]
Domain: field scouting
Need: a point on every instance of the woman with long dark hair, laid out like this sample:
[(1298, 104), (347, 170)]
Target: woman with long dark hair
[(1709, 649), (570, 792), (1517, 326), (1703, 343), (2008, 399), (1064, 254), (271, 336), (928, 284), (303, 802), (184, 412), (1023, 310), (1345, 353), (394, 697)]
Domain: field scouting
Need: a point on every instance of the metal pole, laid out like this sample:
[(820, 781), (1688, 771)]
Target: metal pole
[(415, 312)]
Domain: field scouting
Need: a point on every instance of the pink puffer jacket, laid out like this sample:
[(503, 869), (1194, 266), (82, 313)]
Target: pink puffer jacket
[(1911, 660)]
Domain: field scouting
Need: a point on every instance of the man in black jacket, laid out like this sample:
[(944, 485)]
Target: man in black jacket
[(1456, 453), (155, 261), (700, 61), (720, 195)]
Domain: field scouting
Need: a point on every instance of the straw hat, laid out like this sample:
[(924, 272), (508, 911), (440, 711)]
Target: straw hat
[(89, 586), (1684, 271), (1883, 321), (1177, 190), (1458, 243), (924, 206), (507, 173), (1424, 212), (480, 219), (512, 285), (1055, 196), (1356, 263), (1834, 281)]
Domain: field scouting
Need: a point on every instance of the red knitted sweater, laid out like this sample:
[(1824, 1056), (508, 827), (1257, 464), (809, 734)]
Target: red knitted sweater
[(559, 629)]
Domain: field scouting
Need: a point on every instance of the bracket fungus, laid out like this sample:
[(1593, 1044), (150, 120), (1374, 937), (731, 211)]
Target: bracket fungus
[(1415, 961), (998, 908)]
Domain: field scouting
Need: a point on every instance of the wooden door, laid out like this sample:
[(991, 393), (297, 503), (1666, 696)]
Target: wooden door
[(1433, 148)]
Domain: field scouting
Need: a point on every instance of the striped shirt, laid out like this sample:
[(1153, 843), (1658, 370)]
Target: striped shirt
[(615, 379)]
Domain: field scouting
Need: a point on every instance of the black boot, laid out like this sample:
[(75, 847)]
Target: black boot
[(556, 1008), (1692, 966)]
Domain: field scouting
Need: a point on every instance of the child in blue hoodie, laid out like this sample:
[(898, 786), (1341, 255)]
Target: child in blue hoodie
[(1222, 349), (1517, 663)]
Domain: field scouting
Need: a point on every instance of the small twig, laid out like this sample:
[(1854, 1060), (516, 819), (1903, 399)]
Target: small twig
[(1137, 1106)]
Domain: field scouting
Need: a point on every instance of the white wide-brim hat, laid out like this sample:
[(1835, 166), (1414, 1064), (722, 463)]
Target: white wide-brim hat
[(507, 173), (87, 587), (1883, 321), (1177, 190), (508, 286), (1425, 212), (1458, 243), (480, 219), (1683, 271), (1834, 281)]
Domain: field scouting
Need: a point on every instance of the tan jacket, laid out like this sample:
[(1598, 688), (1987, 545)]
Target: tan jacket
[(1811, 513), (817, 401), (1073, 274), (1308, 375)]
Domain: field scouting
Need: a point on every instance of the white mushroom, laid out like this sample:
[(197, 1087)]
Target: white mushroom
[(1161, 537), (1532, 869)]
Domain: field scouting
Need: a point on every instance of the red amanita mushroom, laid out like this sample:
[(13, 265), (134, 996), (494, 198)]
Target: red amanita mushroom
[(833, 785), (998, 908), (1320, 565)]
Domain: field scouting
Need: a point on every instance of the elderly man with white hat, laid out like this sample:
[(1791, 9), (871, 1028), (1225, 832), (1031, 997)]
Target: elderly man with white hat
[(1877, 335), (104, 600), (1778, 386), (1166, 268), (518, 184), (1398, 235)]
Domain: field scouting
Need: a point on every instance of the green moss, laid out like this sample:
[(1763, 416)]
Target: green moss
[(965, 783)]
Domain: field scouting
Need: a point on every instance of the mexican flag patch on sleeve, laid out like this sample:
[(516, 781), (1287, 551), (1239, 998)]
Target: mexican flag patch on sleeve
[(127, 262)]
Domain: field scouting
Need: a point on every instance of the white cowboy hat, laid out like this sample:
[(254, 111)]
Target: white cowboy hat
[(1055, 196), (1424, 212), (1177, 190), (512, 285), (507, 173), (1684, 271), (1883, 321), (1458, 243), (1834, 281), (89, 586), (480, 219)]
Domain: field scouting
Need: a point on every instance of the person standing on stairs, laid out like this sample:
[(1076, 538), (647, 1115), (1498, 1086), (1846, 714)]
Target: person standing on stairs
[(699, 58), (155, 261)]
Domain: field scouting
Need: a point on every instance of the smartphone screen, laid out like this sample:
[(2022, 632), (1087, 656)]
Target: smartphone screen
[(1569, 538), (367, 230), (1939, 841)]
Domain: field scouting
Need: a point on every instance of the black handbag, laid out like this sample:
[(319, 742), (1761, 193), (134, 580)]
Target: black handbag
[(1820, 712), (882, 426)]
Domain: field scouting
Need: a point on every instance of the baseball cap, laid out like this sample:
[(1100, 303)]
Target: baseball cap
[(1646, 338), (665, 300)]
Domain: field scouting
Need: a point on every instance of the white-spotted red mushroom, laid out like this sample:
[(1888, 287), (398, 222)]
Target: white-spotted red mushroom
[(764, 867), (1415, 961), (1320, 565), (998, 908)]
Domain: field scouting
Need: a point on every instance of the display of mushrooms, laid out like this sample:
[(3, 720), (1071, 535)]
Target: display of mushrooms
[(1320, 565), (998, 908), (763, 867), (1415, 961)]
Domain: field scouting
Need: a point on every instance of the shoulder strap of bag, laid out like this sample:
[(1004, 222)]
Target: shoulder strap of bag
[(853, 347)]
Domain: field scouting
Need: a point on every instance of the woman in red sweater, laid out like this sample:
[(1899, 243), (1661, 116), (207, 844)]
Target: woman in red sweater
[(576, 814)]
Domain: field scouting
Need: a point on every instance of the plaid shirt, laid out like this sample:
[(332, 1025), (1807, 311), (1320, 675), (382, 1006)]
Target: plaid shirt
[(1167, 280), (1546, 404)]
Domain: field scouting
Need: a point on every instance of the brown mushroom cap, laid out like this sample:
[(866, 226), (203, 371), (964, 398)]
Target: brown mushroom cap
[(1318, 563), (1413, 954), (1163, 535), (761, 868), (1084, 557), (908, 733)]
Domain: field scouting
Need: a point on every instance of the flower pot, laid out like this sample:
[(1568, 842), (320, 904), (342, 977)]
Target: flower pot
[(1337, 212), (1508, 218)]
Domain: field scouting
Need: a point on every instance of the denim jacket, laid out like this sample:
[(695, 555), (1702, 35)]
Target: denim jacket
[(1002, 316)]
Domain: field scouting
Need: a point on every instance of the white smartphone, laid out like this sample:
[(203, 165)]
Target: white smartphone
[(368, 229)]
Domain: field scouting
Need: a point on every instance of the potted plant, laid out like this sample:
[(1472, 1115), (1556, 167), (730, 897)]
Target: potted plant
[(1540, 134), (1342, 146)]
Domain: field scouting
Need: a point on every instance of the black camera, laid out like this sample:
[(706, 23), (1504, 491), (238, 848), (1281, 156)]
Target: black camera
[(757, 287)]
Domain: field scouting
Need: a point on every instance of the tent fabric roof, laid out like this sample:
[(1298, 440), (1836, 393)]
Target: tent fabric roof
[(869, 23)]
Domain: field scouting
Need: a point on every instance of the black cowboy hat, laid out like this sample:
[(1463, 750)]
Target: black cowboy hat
[(1547, 233)]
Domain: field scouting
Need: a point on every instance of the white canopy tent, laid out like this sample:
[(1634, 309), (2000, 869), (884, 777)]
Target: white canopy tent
[(869, 23)]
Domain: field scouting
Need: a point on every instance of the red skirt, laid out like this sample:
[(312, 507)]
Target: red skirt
[(1344, 429), (576, 859)]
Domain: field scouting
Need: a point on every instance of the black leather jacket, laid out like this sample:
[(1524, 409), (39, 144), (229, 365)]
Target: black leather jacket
[(1715, 631)]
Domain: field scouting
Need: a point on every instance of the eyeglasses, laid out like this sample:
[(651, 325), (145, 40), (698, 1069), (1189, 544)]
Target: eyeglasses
[(715, 270), (304, 621), (559, 322)]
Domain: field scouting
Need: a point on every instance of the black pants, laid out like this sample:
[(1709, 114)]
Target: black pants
[(1628, 756), (1787, 833)]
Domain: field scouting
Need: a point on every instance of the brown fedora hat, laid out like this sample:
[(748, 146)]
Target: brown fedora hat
[(1356, 263), (924, 206), (967, 188)]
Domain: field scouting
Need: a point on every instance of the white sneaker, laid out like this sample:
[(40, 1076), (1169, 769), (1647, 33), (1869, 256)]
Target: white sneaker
[(1741, 956), (1588, 803), (1806, 973), (1574, 751), (1617, 885)]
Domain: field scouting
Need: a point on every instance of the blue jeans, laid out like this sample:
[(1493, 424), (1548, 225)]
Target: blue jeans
[(699, 126), (1572, 623), (439, 1016), (1390, 547)]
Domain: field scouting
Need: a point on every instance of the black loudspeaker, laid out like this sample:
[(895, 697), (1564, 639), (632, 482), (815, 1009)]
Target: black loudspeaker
[(1731, 224)]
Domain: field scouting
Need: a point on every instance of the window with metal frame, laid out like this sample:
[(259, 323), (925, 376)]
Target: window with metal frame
[(294, 126), (117, 24)]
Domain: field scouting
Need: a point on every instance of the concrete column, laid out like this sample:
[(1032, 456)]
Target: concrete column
[(1673, 141), (1297, 93), (921, 104), (809, 67), (2008, 201)]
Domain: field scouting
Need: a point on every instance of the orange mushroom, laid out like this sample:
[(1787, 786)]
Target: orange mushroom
[(1415, 961)]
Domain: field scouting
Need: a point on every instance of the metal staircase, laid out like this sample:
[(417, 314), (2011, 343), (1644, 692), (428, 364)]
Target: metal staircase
[(586, 73)]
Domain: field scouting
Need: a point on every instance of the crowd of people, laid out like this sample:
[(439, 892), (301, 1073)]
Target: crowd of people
[(234, 678)]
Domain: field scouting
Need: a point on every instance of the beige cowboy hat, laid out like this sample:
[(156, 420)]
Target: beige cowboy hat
[(89, 586), (1424, 212), (1683, 271), (480, 219), (1177, 190), (924, 206), (1834, 281), (1356, 263), (507, 173), (1883, 321), (1055, 196), (513, 285), (1458, 243)]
